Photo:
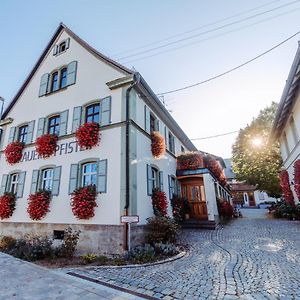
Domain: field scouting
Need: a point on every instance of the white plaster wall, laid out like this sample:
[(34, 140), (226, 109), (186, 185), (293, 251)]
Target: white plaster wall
[(108, 210), (167, 164), (92, 75), (210, 194)]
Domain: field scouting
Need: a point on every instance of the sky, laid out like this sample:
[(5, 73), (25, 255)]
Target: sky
[(221, 35)]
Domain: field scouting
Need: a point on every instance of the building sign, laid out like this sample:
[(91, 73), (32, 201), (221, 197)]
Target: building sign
[(130, 219), (61, 149)]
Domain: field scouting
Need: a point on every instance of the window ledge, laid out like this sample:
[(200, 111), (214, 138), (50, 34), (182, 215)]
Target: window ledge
[(54, 92)]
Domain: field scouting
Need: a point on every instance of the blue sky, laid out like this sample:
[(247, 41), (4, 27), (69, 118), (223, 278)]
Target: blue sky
[(223, 105)]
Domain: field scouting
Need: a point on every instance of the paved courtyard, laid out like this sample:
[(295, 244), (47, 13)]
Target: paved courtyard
[(251, 258)]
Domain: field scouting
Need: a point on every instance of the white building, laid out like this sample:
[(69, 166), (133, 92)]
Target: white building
[(71, 84), (286, 127)]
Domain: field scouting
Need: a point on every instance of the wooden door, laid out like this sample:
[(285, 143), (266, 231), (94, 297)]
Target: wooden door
[(194, 192)]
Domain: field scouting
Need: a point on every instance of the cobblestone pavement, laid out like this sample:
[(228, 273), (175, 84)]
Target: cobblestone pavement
[(250, 258), (21, 280)]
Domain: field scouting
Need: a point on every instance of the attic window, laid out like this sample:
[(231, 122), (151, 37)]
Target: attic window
[(61, 47)]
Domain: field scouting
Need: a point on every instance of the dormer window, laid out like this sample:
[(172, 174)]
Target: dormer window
[(62, 47)]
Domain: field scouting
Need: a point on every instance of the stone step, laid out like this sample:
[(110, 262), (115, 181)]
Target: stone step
[(201, 224)]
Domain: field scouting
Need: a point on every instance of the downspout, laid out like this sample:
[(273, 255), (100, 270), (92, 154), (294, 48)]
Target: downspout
[(136, 79)]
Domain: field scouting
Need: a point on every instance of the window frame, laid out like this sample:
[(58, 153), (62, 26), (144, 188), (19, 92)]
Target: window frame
[(155, 178), (93, 114), (21, 135), (54, 73), (56, 125), (45, 179), (171, 140), (61, 77), (13, 183), (90, 173)]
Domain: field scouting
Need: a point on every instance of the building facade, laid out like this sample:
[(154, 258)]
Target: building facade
[(286, 127), (70, 85)]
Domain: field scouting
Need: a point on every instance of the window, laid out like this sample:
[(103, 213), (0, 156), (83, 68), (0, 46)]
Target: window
[(92, 113), (89, 174), (53, 125), (171, 143), (182, 149), (153, 123), (47, 179), (13, 183), (23, 130), (294, 130), (54, 82), (172, 186), (63, 78), (155, 177), (62, 47)]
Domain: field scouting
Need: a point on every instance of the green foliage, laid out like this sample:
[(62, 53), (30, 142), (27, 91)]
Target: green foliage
[(161, 230), (166, 249), (89, 258), (286, 210), (141, 254), (258, 165), (68, 247)]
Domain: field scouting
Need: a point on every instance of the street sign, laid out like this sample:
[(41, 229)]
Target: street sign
[(130, 219)]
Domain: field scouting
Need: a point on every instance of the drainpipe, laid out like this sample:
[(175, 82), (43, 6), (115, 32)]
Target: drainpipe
[(136, 79)]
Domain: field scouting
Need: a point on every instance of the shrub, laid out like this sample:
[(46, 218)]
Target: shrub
[(286, 210), (68, 247), (89, 258), (177, 208), (161, 229), (32, 248), (159, 202), (225, 209), (166, 249), (141, 254), (7, 242)]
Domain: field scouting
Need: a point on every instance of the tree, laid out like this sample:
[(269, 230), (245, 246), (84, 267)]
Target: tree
[(255, 159)]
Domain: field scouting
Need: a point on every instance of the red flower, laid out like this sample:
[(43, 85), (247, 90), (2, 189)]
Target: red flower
[(46, 145), (87, 135), (38, 205), (83, 202), (225, 209), (159, 203), (297, 178), (190, 161), (285, 187), (7, 205), (13, 152), (158, 146), (214, 166)]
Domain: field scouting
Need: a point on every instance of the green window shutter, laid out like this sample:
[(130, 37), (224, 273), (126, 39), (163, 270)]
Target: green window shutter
[(147, 119), (12, 134), (149, 180), (41, 127), (63, 122), (73, 181), (56, 180), (44, 85), (161, 181), (170, 187), (71, 75), (102, 176), (29, 137), (105, 106), (55, 49), (34, 181), (4, 182), (166, 137), (77, 112), (21, 183), (156, 125), (67, 43)]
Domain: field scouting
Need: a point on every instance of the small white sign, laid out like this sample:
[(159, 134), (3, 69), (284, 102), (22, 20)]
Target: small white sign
[(130, 219)]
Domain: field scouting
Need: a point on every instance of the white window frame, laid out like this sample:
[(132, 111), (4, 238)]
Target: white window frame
[(155, 177), (13, 182), (46, 179), (89, 174)]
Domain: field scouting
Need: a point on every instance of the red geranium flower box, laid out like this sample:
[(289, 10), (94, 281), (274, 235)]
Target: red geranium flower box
[(190, 161), (159, 203), (13, 152), (7, 205), (83, 202), (285, 187), (88, 135), (158, 145), (38, 205), (297, 178), (46, 145)]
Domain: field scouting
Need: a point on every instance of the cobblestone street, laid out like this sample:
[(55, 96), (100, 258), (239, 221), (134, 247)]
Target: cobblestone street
[(250, 258)]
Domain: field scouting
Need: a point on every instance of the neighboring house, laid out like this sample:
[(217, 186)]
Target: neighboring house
[(243, 193), (72, 84), (286, 126)]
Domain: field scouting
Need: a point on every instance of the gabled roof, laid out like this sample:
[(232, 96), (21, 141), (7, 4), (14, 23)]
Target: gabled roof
[(84, 44), (288, 97)]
